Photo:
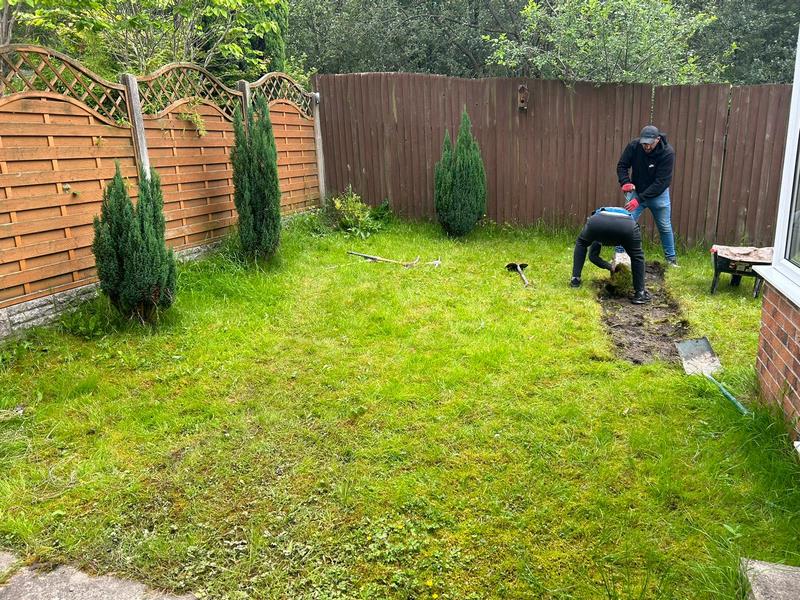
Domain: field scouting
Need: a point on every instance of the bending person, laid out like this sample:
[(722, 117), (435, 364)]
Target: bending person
[(611, 226)]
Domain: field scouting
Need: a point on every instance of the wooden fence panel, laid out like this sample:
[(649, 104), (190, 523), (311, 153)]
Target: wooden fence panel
[(195, 171), (291, 113), (63, 127), (753, 162), (297, 157), (694, 119), (56, 156), (383, 133)]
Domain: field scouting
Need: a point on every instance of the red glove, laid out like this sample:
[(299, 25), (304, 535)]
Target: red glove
[(632, 205), (628, 187)]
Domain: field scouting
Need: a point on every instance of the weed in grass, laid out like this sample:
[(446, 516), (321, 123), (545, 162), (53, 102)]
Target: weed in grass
[(12, 351)]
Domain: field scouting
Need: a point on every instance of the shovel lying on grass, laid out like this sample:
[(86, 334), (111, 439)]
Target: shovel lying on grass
[(698, 358), (519, 268)]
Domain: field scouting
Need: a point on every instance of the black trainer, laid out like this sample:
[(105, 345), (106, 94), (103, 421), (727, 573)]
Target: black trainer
[(641, 297), (575, 282), (672, 262)]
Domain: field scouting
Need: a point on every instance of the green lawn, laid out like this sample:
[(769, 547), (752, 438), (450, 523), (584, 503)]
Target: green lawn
[(330, 428)]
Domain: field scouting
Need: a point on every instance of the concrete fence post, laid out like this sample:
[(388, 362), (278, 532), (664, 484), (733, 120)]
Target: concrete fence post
[(137, 122), (318, 147), (244, 87)]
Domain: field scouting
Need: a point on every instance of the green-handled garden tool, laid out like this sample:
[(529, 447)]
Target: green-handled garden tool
[(698, 358)]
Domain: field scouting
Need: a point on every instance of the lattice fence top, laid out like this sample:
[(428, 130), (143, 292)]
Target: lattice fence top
[(279, 86), (177, 81), (37, 69)]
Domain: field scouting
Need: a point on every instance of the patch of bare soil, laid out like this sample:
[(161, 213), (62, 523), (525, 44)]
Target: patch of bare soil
[(648, 332)]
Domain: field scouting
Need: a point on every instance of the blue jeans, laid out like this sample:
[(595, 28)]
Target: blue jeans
[(662, 212)]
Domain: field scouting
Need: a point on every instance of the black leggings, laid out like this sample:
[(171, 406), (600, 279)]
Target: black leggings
[(608, 229)]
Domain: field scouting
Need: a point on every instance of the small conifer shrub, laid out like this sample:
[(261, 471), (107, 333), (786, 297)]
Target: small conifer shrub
[(443, 181), (460, 182), (135, 268), (257, 192)]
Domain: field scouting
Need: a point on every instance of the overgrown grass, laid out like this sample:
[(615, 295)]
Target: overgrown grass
[(324, 427)]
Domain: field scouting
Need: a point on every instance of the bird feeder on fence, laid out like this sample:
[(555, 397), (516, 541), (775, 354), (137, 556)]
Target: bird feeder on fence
[(522, 97)]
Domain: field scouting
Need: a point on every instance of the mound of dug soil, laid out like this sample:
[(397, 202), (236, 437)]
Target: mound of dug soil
[(648, 332)]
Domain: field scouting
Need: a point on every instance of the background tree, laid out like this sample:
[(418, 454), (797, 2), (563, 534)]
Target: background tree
[(743, 41), (753, 41), (229, 37), (427, 36), (609, 41), (9, 12), (273, 45)]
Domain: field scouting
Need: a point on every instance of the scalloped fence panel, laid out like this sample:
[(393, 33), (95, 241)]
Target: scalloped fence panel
[(195, 170), (291, 113), (297, 157), (188, 123), (62, 128)]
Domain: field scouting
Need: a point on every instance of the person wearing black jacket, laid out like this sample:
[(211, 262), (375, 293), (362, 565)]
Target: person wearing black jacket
[(645, 172)]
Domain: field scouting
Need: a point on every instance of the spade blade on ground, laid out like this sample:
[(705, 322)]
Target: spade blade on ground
[(698, 358), (519, 268)]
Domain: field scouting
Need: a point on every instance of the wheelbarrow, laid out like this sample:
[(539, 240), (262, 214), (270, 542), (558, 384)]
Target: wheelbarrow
[(698, 358), (739, 262)]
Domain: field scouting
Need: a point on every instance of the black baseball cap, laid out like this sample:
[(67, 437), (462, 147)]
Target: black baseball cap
[(649, 134)]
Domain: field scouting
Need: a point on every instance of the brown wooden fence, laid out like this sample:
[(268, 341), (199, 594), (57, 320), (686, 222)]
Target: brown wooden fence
[(63, 127), (382, 134)]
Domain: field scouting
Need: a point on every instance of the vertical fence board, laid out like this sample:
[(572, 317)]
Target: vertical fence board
[(558, 161), (753, 161), (693, 119)]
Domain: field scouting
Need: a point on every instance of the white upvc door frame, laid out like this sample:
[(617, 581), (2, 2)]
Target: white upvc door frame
[(783, 274)]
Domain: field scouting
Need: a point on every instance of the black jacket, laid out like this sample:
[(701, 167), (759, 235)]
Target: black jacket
[(652, 173)]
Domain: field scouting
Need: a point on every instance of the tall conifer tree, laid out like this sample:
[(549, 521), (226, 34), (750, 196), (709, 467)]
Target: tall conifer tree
[(257, 193), (460, 196)]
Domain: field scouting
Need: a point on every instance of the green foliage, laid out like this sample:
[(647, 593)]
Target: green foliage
[(273, 40), (752, 41), (627, 41), (91, 320), (88, 325), (460, 182), (233, 38), (443, 178), (195, 118), (347, 212), (135, 268), (12, 351), (296, 67), (257, 193), (426, 36)]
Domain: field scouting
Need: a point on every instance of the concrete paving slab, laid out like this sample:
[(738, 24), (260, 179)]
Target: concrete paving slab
[(67, 583), (7, 562), (770, 581)]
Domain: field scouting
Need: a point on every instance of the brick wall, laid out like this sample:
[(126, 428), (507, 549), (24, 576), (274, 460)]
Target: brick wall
[(778, 360)]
